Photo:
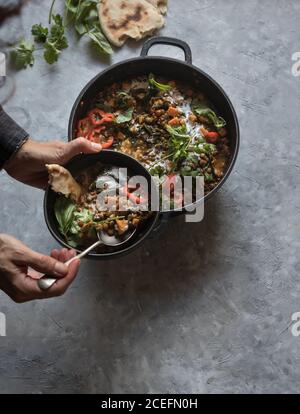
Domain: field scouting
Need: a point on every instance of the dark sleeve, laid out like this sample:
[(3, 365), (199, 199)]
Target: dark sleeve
[(12, 137)]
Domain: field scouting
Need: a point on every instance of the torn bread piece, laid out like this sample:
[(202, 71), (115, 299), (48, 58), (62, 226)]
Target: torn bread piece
[(135, 19), (62, 181), (161, 5)]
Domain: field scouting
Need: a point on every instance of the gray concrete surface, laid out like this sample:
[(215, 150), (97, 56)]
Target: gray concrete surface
[(207, 307)]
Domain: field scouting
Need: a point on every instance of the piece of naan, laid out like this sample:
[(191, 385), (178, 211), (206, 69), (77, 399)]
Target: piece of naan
[(62, 181), (123, 19), (161, 5)]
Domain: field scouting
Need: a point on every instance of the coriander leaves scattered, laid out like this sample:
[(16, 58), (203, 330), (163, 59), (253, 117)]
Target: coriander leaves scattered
[(178, 143), (53, 40), (81, 14), (56, 41), (23, 55), (40, 33)]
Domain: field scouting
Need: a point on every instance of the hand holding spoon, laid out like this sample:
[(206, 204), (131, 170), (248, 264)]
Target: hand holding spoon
[(46, 282)]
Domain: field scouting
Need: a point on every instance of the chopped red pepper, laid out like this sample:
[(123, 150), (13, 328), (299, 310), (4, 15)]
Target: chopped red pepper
[(84, 128), (108, 143), (211, 136), (96, 136), (99, 117)]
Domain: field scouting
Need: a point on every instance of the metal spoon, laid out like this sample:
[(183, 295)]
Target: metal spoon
[(46, 283)]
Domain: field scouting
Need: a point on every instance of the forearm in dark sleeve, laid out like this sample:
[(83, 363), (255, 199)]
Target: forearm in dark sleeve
[(12, 137)]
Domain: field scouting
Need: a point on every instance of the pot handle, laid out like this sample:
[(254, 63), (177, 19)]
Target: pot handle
[(160, 40)]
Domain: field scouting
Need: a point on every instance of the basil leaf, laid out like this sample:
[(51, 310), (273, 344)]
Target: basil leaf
[(64, 209), (125, 116), (202, 110), (80, 28), (100, 40), (156, 85), (70, 6)]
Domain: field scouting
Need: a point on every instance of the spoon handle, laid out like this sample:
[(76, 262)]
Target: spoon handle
[(46, 282), (84, 253)]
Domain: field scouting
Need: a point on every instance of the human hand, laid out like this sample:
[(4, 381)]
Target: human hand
[(28, 164), (20, 269)]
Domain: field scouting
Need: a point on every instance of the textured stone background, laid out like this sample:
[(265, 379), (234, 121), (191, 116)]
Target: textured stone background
[(207, 307)]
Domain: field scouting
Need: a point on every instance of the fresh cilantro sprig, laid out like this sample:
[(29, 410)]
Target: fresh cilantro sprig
[(23, 54), (179, 143), (56, 40), (82, 14), (52, 38), (39, 33)]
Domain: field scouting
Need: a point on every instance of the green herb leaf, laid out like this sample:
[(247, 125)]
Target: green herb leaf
[(57, 33), (23, 55), (157, 170), (40, 33), (123, 94), (51, 53), (71, 6), (178, 143), (124, 117), (85, 216), (56, 40), (178, 132), (64, 209), (156, 85), (202, 110), (100, 40), (208, 177)]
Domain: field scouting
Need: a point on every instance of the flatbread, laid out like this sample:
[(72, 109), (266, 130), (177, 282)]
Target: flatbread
[(62, 182), (161, 5), (122, 19)]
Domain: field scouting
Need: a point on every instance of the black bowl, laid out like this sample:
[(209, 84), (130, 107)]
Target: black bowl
[(81, 163)]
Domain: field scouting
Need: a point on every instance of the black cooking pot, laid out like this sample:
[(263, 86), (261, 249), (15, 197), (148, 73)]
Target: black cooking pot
[(115, 159), (171, 69)]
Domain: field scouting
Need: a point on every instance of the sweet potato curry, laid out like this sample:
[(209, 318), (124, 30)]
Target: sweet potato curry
[(167, 126)]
